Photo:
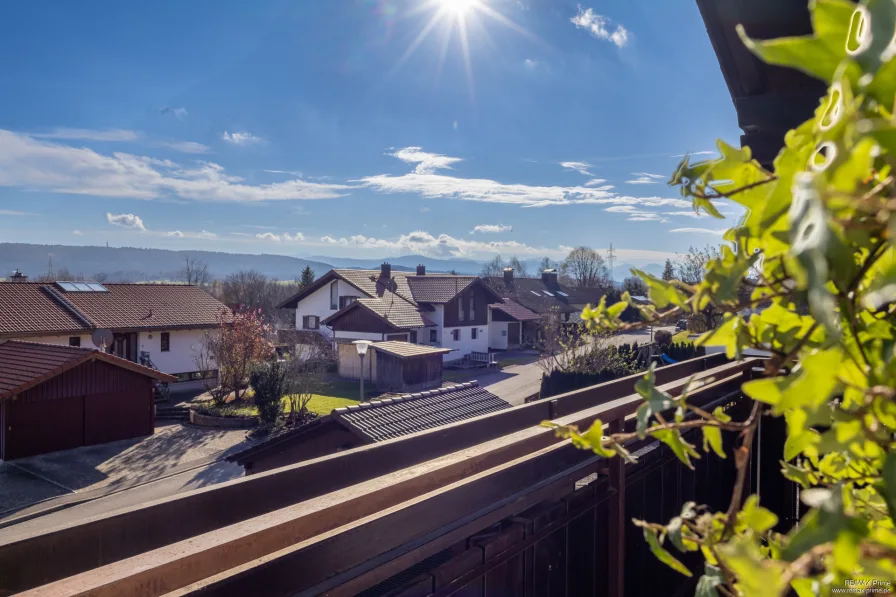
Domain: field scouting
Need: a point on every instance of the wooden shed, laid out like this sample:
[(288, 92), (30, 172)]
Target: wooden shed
[(406, 367), (56, 397)]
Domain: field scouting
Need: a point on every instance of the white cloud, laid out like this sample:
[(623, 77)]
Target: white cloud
[(88, 134), (492, 228), (205, 234), (637, 215), (77, 233), (595, 182), (426, 162), (298, 236), (185, 146), (243, 138), (423, 243), (530, 64), (126, 221), (12, 212), (40, 165), (580, 167), (645, 178), (328, 240), (178, 112), (175, 233), (268, 236), (699, 231), (598, 26)]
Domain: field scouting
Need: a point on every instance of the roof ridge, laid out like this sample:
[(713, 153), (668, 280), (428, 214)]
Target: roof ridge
[(67, 304), (405, 398)]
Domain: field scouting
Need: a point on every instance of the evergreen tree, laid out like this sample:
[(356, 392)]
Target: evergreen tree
[(668, 271), (307, 277)]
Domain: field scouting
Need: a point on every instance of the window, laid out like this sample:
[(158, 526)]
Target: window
[(460, 308), (472, 307), (561, 293), (455, 335), (334, 295), (414, 337), (474, 333), (345, 301), (503, 332), (166, 341), (310, 322), (433, 336), (74, 341)]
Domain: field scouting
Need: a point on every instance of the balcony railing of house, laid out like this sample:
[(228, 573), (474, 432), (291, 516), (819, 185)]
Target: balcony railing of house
[(496, 505)]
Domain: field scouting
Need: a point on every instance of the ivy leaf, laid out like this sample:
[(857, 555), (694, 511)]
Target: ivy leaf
[(682, 449), (756, 576), (681, 337), (756, 517), (706, 585), (662, 555), (712, 438), (887, 489), (660, 292), (655, 401)]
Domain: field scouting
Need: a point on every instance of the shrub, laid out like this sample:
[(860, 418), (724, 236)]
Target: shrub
[(662, 338), (271, 382)]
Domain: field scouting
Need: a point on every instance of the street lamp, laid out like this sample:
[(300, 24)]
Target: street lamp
[(361, 346)]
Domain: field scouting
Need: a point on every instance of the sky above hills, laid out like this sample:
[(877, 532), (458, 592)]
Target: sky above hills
[(358, 128)]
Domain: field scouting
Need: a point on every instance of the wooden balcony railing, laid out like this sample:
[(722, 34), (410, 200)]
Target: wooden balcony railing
[(480, 501)]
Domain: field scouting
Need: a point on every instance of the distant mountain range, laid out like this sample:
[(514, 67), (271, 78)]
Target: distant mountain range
[(133, 264)]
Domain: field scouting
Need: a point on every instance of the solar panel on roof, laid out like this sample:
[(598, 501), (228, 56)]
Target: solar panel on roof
[(535, 293), (81, 287), (561, 293), (66, 286), (547, 293)]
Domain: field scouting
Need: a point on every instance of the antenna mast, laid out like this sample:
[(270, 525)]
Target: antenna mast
[(611, 262)]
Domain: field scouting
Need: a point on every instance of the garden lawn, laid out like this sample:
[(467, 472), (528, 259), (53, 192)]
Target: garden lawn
[(334, 394)]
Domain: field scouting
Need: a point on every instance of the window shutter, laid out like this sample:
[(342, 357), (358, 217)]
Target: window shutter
[(304, 322)]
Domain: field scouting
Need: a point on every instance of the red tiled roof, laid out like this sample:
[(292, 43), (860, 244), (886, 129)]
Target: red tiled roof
[(32, 308), (438, 289), (24, 365), (515, 310)]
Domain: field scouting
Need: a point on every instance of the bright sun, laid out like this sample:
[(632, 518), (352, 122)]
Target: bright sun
[(458, 6)]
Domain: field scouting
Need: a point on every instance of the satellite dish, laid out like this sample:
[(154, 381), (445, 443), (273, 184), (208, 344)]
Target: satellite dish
[(102, 338)]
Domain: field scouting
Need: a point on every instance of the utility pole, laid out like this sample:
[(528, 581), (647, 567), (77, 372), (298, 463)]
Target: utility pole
[(611, 262)]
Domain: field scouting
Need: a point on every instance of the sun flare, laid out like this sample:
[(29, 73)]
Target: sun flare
[(458, 7)]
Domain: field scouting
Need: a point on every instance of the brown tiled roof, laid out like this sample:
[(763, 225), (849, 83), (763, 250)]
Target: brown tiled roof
[(406, 349), (515, 310), (398, 312), (373, 285), (380, 420), (43, 307), (437, 289), (531, 293), (24, 365)]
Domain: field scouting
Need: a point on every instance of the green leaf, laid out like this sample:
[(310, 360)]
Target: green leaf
[(655, 401), (681, 337), (756, 576), (888, 489), (756, 517), (661, 293), (712, 438), (682, 449), (706, 585), (662, 555)]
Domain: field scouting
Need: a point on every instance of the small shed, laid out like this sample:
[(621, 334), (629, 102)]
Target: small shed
[(406, 367), (56, 397)]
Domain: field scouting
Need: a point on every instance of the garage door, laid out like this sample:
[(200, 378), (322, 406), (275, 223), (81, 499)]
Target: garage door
[(111, 417), (43, 426)]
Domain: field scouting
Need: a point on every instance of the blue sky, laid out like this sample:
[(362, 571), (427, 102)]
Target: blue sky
[(357, 127)]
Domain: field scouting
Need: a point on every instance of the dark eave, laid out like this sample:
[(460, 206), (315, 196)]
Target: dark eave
[(769, 100)]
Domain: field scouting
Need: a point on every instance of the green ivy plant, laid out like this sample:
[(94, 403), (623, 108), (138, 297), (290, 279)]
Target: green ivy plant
[(816, 248)]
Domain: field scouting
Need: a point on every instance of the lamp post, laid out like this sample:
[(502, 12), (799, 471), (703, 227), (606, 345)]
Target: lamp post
[(361, 346)]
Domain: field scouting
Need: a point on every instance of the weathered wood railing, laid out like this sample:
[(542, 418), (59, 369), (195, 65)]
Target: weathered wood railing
[(343, 523)]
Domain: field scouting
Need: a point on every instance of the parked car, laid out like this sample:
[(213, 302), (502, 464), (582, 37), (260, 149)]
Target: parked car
[(682, 325)]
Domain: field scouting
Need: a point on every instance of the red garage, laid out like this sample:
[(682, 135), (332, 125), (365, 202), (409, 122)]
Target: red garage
[(60, 397)]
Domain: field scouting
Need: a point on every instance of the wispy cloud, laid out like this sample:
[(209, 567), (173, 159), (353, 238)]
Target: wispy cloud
[(184, 146), (432, 185), (426, 162), (177, 112), (700, 231), (637, 215), (599, 27), (175, 234), (286, 236), (41, 165), (126, 221), (88, 134), (645, 178), (580, 167), (681, 155), (77, 233), (206, 235), (491, 228), (443, 245), (241, 138), (595, 182), (10, 212)]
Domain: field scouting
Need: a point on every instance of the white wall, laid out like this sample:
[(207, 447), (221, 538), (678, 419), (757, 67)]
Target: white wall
[(350, 364), (465, 345), (184, 347), (375, 336), (86, 342), (318, 303), (497, 335)]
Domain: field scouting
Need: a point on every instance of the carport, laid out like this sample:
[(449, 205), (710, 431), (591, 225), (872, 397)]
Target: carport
[(61, 397)]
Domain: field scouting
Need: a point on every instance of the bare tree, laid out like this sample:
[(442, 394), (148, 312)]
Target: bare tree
[(519, 268), (493, 268), (547, 263), (195, 271), (635, 286), (586, 268), (690, 267)]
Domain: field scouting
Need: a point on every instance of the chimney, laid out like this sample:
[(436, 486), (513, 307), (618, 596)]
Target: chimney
[(508, 276), (421, 270), (386, 271), (18, 276), (549, 277)]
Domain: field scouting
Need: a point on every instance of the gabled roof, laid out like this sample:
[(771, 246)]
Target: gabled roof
[(535, 295), (438, 289), (380, 420), (395, 312), (368, 282), (42, 307), (24, 365), (515, 310), (408, 350)]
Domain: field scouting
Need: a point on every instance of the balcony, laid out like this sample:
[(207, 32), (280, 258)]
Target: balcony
[(495, 505)]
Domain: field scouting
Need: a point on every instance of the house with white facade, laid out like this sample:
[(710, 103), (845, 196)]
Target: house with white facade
[(441, 310), (159, 325)]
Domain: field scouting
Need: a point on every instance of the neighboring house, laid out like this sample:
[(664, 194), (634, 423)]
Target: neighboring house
[(440, 310), (370, 422), (160, 325), (512, 326), (56, 397)]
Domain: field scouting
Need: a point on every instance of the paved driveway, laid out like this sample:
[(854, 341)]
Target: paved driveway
[(114, 465)]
